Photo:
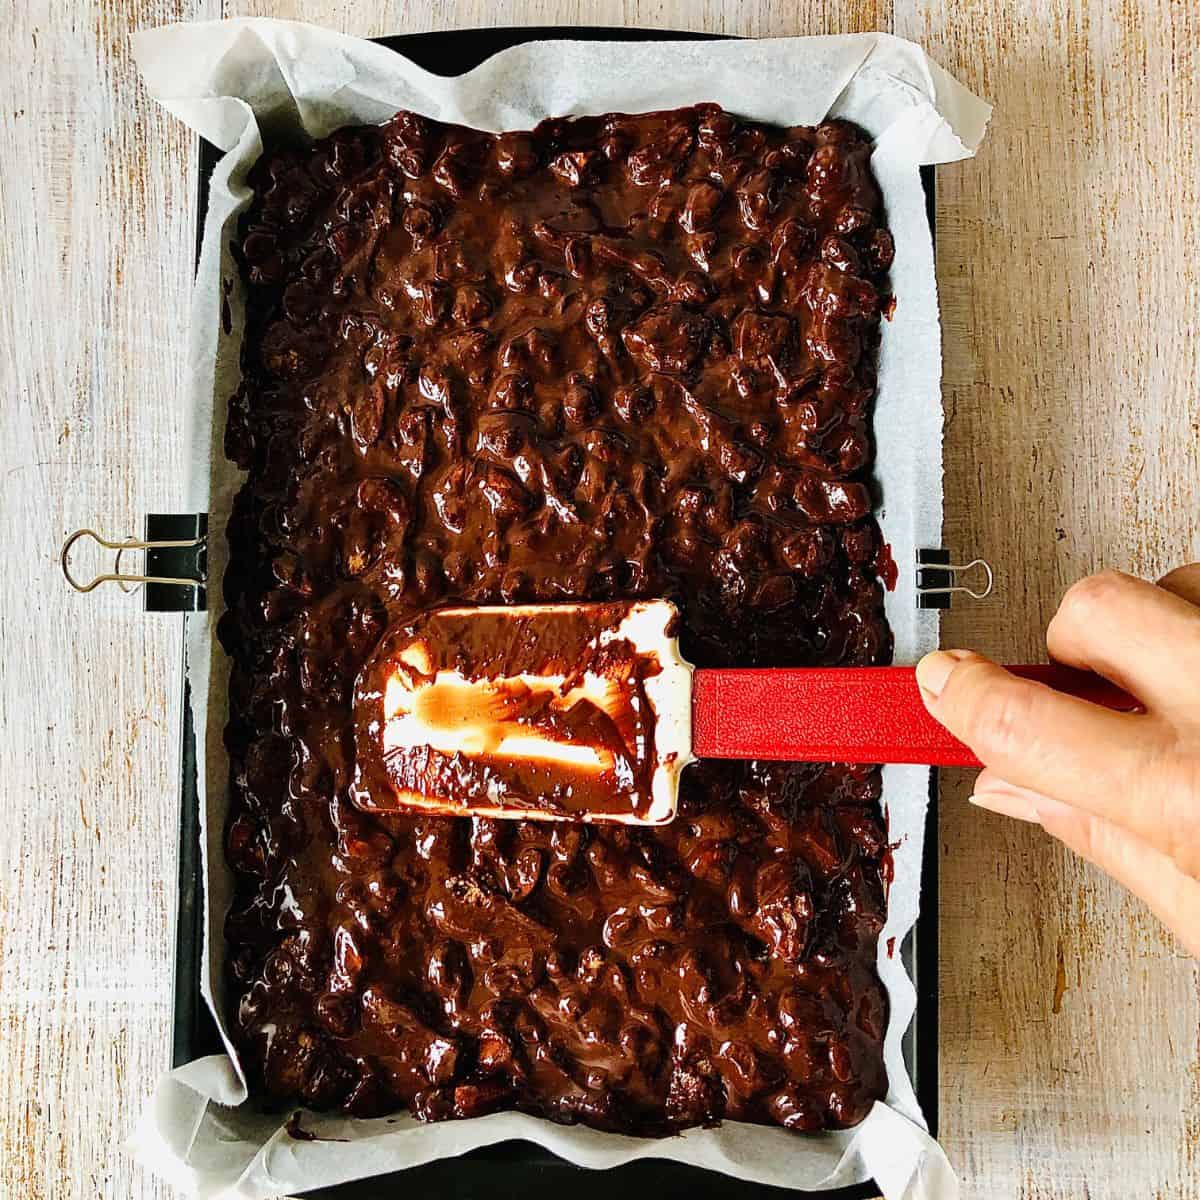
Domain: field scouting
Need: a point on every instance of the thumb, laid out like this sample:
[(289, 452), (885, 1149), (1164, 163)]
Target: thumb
[(1032, 735)]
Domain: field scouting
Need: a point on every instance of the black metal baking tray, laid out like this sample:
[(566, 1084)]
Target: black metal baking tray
[(522, 1169)]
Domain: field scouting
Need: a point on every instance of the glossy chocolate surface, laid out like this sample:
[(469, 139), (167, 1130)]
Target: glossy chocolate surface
[(628, 356)]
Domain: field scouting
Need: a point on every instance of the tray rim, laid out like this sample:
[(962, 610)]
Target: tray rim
[(193, 1030)]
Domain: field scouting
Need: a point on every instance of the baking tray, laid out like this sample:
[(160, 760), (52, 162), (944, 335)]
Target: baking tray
[(517, 1168)]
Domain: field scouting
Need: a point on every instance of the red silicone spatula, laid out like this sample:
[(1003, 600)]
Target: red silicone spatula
[(847, 714), (587, 712)]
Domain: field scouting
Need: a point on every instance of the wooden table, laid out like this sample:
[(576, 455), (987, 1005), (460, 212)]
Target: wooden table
[(1069, 265)]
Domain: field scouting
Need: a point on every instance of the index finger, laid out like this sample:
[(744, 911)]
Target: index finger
[(1183, 582), (1142, 636)]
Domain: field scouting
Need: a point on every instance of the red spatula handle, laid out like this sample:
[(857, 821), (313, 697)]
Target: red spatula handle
[(846, 714)]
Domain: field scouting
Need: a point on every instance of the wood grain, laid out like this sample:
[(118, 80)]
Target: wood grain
[(1069, 275), (1070, 282), (95, 204)]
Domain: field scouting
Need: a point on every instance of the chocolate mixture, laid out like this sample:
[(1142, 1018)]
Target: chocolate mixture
[(625, 356)]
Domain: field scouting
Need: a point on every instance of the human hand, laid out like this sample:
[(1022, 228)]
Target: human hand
[(1122, 789)]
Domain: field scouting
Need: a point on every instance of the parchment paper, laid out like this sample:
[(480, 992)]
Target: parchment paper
[(229, 80)]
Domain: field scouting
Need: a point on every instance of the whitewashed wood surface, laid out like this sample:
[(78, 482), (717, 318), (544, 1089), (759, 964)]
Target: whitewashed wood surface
[(1069, 263)]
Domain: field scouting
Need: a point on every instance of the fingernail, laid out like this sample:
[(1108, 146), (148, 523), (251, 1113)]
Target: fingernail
[(934, 669), (1020, 808)]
